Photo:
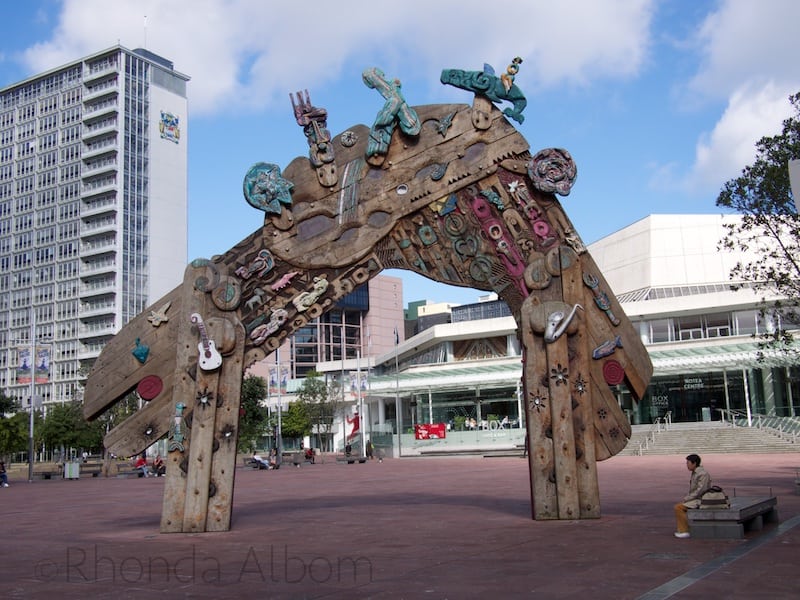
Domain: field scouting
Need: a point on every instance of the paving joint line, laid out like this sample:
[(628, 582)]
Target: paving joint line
[(672, 587)]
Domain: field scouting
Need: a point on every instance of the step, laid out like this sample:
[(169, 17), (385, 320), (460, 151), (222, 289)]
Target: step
[(708, 438)]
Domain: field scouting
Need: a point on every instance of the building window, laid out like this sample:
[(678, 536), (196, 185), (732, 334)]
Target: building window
[(690, 328), (746, 322), (718, 325), (25, 167), (48, 123), (71, 115), (661, 331), (26, 130), (48, 104), (48, 141), (25, 185), (71, 97), (70, 134), (27, 112)]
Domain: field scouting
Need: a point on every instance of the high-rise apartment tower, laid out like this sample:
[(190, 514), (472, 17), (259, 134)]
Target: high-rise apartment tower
[(93, 212)]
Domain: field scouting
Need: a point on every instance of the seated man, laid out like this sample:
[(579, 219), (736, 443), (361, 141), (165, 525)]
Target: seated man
[(699, 483)]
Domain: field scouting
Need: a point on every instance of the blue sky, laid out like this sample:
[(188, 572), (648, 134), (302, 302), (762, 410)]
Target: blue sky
[(659, 102)]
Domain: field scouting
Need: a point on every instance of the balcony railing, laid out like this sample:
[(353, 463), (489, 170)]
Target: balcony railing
[(97, 90)]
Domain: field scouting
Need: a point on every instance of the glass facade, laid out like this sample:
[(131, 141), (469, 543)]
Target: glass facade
[(773, 391), (708, 326), (463, 411), (334, 336)]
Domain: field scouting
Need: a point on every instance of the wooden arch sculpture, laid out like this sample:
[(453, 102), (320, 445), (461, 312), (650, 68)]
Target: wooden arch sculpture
[(456, 196)]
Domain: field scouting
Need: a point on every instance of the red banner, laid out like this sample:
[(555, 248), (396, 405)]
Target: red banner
[(431, 431)]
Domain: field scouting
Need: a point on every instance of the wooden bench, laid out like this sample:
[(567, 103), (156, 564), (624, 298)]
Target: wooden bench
[(93, 469), (298, 457), (48, 470), (123, 470), (350, 460), (745, 514)]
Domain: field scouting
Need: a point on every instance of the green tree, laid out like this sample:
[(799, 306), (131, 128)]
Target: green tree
[(64, 425), (14, 426), (14, 434), (322, 403), (117, 413), (770, 227), (295, 422), (8, 405), (253, 417)]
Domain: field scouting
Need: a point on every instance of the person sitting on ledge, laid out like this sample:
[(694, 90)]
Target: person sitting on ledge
[(698, 485), (141, 465), (260, 462), (159, 468)]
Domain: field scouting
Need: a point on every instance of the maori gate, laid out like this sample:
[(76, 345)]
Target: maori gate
[(449, 191)]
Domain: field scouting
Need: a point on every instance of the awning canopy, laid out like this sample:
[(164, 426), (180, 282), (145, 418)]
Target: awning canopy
[(448, 377), (686, 359), (698, 359)]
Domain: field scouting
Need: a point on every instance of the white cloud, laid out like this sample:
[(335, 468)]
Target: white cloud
[(752, 113), (248, 53), (748, 41), (748, 63)]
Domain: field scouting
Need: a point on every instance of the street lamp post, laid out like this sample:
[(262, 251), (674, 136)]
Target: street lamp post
[(279, 432), (397, 407), (360, 404), (32, 366)]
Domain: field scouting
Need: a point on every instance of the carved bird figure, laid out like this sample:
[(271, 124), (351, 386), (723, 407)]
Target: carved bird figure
[(157, 317)]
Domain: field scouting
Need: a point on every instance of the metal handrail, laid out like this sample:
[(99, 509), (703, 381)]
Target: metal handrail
[(651, 435), (771, 423)]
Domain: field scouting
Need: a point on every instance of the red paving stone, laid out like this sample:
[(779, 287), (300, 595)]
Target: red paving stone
[(438, 528)]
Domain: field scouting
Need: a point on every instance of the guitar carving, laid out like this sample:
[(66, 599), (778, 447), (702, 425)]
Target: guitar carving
[(209, 358)]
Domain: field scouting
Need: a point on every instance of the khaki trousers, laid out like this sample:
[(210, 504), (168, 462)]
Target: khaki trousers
[(681, 517)]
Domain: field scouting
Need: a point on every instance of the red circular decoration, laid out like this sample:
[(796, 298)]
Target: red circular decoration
[(541, 228), (613, 372), (150, 387)]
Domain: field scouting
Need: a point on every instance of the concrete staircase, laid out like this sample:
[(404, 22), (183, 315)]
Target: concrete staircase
[(706, 438)]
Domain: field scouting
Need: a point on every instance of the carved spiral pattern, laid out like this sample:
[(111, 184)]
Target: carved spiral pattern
[(553, 171), (613, 372)]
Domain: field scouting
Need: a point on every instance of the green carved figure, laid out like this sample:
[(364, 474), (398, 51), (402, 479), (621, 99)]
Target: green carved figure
[(486, 83), (265, 188), (395, 112)]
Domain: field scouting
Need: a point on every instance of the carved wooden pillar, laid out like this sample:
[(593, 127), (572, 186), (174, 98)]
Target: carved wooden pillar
[(202, 442), (558, 395)]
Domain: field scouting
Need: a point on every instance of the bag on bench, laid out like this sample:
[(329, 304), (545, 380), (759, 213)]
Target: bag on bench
[(714, 498)]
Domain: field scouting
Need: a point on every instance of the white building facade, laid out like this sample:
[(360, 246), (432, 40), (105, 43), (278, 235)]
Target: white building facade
[(673, 283), (672, 279), (93, 212)]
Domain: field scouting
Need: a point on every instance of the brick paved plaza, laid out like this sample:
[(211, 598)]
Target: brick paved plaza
[(433, 528)]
